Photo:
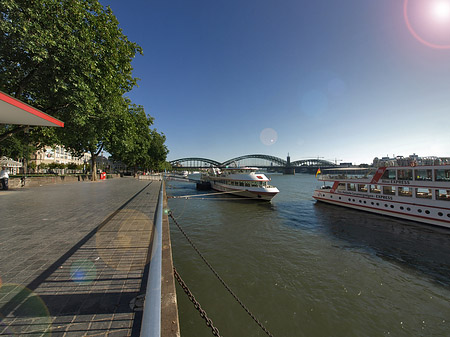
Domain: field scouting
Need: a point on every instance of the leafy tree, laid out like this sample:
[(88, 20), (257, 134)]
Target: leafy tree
[(157, 151), (131, 140), (135, 144), (71, 60)]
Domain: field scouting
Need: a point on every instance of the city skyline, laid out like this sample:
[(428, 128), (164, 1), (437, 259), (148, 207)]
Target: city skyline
[(349, 80)]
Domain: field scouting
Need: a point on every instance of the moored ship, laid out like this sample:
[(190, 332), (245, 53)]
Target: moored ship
[(416, 192), (243, 182)]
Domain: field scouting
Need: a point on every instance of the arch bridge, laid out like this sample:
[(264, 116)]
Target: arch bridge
[(257, 160)]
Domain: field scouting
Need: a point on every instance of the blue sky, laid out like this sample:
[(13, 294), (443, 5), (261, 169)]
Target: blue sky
[(335, 79)]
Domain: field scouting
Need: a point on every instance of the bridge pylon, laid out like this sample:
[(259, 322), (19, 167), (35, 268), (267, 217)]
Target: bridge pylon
[(289, 169)]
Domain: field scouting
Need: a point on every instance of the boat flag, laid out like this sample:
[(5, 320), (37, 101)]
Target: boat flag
[(318, 171)]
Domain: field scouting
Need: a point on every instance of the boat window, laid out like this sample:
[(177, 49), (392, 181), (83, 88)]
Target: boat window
[(389, 174), (404, 174), (375, 189), (341, 186), (442, 175), (424, 193), (241, 183), (351, 187), (389, 190), (247, 184), (362, 187), (421, 174), (443, 195), (405, 191)]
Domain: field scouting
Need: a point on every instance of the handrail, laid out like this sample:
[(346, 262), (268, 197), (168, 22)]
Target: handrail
[(151, 318)]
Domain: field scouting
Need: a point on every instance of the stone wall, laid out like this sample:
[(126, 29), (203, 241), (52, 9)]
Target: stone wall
[(40, 181)]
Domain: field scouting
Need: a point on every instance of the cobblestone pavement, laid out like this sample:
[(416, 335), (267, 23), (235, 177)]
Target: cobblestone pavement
[(72, 257)]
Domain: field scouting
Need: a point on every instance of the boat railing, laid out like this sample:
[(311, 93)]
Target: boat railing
[(345, 177)]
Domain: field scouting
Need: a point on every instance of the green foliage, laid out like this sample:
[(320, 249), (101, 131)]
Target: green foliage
[(134, 143), (53, 166), (71, 60), (157, 150), (32, 165), (165, 166)]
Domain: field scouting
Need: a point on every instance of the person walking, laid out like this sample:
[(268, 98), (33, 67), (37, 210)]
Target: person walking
[(4, 176)]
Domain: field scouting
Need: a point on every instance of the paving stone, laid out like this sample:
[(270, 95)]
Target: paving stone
[(76, 254)]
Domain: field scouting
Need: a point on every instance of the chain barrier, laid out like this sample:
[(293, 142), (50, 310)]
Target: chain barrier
[(220, 279), (197, 306)]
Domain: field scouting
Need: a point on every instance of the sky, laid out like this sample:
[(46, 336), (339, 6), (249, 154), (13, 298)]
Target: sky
[(342, 80)]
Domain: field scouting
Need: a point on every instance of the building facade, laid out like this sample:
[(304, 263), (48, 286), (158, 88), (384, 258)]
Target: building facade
[(59, 155)]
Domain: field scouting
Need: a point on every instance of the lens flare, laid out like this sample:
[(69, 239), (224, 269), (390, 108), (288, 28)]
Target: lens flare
[(441, 10), (131, 238), (83, 272), (29, 309), (268, 136), (428, 21)]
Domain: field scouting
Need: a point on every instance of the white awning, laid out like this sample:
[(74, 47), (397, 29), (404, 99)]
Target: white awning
[(13, 111)]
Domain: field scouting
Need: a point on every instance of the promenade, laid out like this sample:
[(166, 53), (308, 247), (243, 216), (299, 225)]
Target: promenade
[(74, 257)]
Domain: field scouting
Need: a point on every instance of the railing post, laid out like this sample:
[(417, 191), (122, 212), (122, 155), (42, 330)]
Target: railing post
[(151, 318)]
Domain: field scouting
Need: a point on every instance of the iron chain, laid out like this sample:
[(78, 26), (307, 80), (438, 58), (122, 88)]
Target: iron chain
[(220, 279), (197, 305)]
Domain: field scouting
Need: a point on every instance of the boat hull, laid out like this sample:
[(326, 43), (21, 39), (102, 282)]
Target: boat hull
[(264, 194), (437, 216)]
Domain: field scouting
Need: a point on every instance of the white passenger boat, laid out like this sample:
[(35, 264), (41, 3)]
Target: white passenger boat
[(419, 193), (243, 182)]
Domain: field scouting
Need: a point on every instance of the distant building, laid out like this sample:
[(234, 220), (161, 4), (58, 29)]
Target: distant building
[(58, 154), (103, 163), (12, 166), (345, 164)]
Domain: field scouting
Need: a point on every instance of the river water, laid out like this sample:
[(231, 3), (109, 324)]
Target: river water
[(308, 269)]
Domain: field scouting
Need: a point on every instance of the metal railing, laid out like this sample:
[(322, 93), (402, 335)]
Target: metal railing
[(151, 318)]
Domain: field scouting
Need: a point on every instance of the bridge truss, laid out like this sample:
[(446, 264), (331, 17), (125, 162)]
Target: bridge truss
[(257, 160)]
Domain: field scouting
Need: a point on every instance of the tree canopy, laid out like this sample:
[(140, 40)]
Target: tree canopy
[(70, 59)]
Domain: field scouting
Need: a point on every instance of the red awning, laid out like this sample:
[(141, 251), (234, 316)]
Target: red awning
[(13, 111)]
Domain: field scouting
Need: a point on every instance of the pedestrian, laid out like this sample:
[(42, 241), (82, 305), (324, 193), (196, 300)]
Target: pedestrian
[(4, 176)]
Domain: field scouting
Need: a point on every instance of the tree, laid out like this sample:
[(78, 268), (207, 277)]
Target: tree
[(135, 144), (71, 60), (130, 142), (157, 151)]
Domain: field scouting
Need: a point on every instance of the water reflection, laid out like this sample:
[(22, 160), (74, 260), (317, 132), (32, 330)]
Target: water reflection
[(414, 246)]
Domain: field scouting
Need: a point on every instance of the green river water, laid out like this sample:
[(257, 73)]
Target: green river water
[(308, 269)]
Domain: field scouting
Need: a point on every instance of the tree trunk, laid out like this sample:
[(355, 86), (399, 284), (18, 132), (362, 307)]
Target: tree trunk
[(93, 166)]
